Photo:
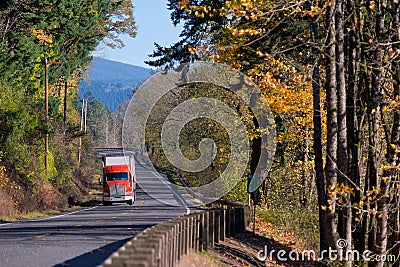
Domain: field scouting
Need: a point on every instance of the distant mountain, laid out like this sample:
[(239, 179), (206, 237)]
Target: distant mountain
[(112, 82)]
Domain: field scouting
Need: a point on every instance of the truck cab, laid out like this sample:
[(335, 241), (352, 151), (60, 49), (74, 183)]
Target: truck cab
[(118, 179)]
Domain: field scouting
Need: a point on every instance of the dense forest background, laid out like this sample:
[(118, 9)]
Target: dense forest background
[(62, 33), (330, 71)]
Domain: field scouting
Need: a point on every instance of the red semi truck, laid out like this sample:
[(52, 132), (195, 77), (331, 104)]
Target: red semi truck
[(119, 178)]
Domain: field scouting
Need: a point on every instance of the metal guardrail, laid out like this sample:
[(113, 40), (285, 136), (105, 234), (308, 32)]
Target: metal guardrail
[(164, 244)]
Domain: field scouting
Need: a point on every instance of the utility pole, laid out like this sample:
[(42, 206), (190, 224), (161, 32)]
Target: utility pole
[(80, 138), (107, 131), (65, 101), (46, 96), (83, 126), (86, 108)]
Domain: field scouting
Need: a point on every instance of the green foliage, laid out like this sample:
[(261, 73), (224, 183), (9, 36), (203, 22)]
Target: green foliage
[(63, 31), (294, 219), (196, 31), (54, 105), (52, 171), (21, 130), (63, 165), (239, 192), (207, 24), (195, 131)]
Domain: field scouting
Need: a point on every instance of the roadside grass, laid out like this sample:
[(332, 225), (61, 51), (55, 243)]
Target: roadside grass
[(208, 254), (91, 199), (200, 258), (36, 214), (301, 223)]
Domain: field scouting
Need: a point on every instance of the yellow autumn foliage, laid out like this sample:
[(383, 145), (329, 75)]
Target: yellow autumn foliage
[(42, 36), (288, 89)]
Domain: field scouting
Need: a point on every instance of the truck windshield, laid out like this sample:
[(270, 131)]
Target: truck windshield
[(117, 176)]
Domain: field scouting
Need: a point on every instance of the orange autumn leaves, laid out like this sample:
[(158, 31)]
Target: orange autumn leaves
[(289, 95), (287, 89), (42, 37)]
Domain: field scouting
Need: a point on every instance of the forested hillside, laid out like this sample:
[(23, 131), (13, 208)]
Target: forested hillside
[(112, 82), (58, 35), (330, 71)]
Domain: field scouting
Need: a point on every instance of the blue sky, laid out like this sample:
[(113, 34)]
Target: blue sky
[(154, 25)]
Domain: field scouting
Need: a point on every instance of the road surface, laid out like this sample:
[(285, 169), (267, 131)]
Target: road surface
[(87, 237)]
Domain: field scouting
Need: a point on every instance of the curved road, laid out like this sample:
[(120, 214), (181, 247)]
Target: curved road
[(87, 237)]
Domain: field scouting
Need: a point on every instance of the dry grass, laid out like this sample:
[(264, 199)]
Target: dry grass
[(200, 259), (35, 214)]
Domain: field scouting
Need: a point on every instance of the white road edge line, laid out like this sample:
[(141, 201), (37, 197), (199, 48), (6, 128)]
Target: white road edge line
[(163, 180), (49, 218)]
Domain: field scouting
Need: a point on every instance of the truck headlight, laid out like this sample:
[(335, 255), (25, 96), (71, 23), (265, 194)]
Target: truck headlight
[(129, 192)]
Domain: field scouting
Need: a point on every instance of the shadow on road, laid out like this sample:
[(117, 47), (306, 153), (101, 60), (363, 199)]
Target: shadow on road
[(94, 257)]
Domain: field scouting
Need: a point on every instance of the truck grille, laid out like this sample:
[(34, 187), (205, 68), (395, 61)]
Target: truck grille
[(117, 190)]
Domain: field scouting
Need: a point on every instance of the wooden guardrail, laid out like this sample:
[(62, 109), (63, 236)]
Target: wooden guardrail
[(164, 244)]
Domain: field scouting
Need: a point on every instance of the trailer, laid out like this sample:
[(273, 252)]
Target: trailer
[(119, 176)]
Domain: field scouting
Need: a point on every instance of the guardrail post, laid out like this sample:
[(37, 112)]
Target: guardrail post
[(170, 251), (162, 234), (158, 240), (197, 236), (178, 240), (181, 239), (211, 228), (201, 232), (227, 222), (139, 254), (205, 230), (175, 248), (238, 219), (192, 227), (217, 214), (187, 235), (166, 251), (190, 233), (222, 223), (149, 242), (246, 216), (231, 222)]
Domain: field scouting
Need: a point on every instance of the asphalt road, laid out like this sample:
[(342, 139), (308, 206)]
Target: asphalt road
[(87, 237)]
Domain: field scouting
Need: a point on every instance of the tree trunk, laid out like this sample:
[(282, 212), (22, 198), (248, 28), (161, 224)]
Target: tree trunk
[(396, 248), (364, 84), (380, 244), (345, 216), (354, 114), (317, 145), (395, 137), (331, 103), (304, 201)]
